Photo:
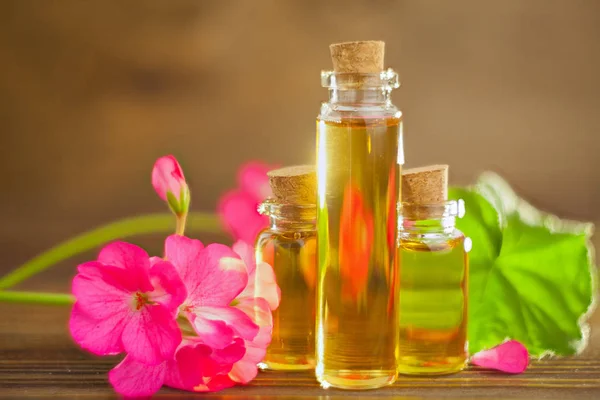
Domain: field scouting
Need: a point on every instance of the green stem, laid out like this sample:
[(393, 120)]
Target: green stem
[(57, 299), (153, 223), (180, 223)]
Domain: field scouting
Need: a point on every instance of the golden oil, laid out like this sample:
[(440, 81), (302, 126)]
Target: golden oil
[(433, 298), (289, 245), (359, 156), (433, 277)]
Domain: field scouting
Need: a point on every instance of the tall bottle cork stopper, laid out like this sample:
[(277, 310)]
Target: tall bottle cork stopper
[(425, 185), (358, 57), (294, 185)]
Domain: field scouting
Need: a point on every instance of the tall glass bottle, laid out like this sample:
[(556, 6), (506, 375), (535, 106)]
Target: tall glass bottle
[(433, 276), (359, 159), (289, 245)]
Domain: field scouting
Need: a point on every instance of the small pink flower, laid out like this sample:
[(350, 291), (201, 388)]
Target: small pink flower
[(238, 208), (511, 357), (169, 183), (125, 303), (214, 276)]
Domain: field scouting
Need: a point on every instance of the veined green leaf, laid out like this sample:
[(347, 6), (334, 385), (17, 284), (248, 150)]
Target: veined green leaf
[(531, 273)]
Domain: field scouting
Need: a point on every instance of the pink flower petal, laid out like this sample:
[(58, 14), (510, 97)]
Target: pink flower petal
[(257, 309), (151, 335), (238, 212), (266, 285), (261, 279), (253, 179), (189, 367), (215, 384), (134, 379), (245, 370), (235, 318), (198, 365), (102, 291), (246, 252), (511, 357), (98, 336), (216, 277), (184, 254), (167, 175), (132, 258), (214, 332), (169, 290)]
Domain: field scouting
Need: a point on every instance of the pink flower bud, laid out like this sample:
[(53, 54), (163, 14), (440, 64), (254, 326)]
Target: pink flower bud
[(170, 185)]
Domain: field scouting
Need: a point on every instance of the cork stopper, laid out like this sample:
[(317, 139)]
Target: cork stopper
[(294, 185), (358, 57), (425, 185)]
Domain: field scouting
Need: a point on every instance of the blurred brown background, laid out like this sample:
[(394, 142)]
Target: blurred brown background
[(92, 92)]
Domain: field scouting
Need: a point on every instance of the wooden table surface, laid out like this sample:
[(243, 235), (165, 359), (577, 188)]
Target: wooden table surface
[(38, 360)]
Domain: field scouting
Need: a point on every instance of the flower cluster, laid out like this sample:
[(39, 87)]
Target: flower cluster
[(198, 319)]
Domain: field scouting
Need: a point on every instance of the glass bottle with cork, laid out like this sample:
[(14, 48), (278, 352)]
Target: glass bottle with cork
[(433, 276), (359, 159), (289, 245)]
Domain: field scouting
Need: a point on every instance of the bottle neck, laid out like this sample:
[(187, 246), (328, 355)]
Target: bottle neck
[(410, 226), (355, 97), (421, 219), (359, 88), (297, 217)]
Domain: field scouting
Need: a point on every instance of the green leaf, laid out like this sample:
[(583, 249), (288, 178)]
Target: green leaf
[(531, 274)]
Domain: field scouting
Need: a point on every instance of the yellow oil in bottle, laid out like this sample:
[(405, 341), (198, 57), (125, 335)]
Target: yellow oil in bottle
[(292, 254), (358, 187), (433, 305)]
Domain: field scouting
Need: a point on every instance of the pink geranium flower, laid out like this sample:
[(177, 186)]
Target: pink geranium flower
[(230, 328), (214, 276), (238, 208), (125, 304), (170, 185), (510, 357)]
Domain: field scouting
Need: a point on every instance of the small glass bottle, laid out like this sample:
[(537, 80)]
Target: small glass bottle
[(433, 277), (359, 158), (289, 245)]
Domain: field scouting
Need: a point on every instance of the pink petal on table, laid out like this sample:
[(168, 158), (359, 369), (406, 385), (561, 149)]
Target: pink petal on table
[(239, 214), (234, 318), (253, 179), (151, 335), (511, 357), (245, 370), (167, 176), (98, 336), (134, 379), (169, 290), (130, 257)]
